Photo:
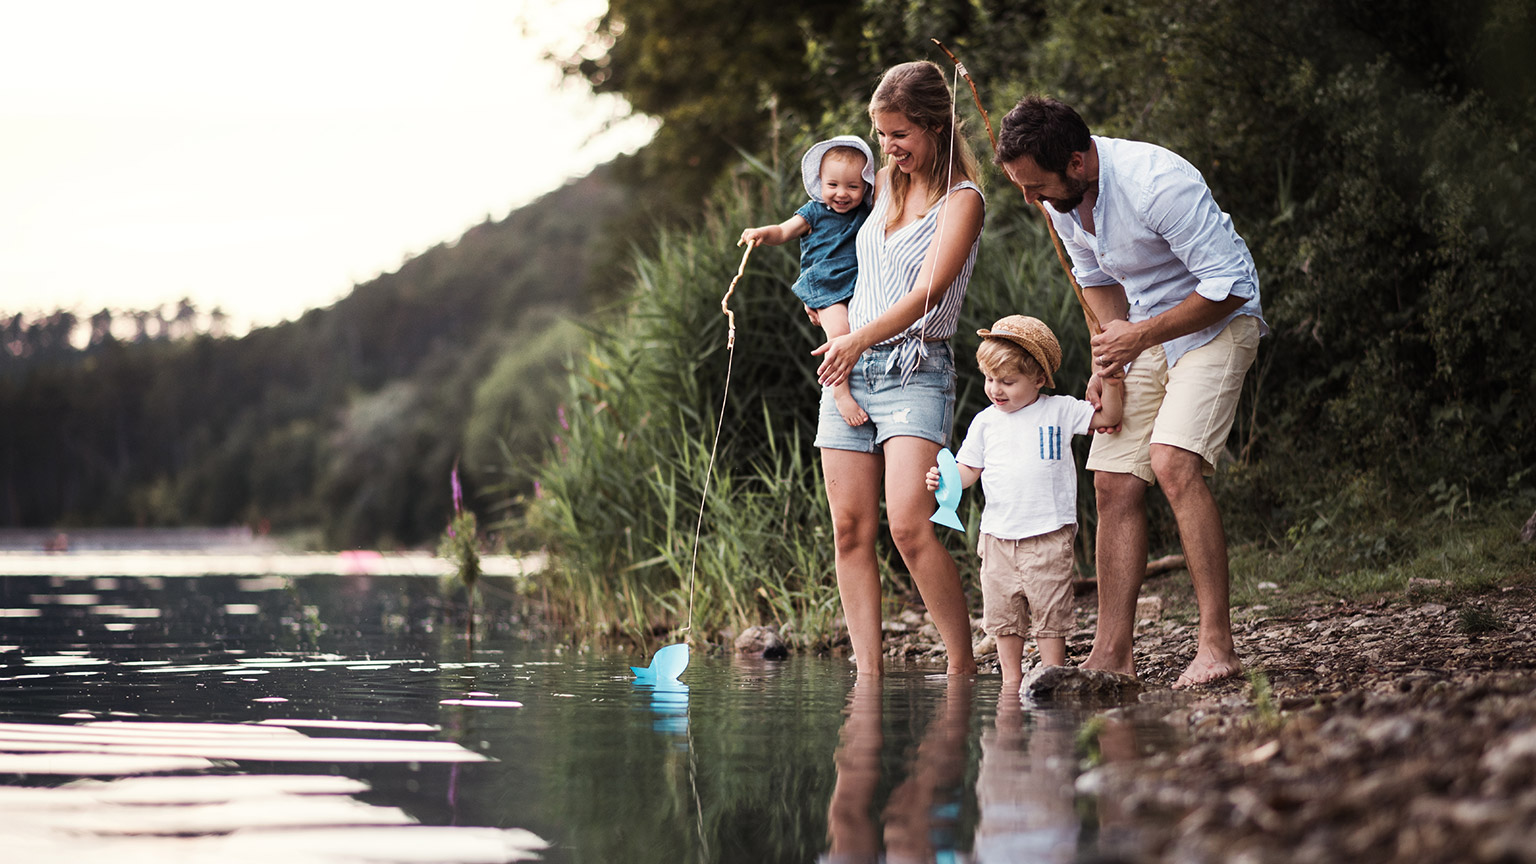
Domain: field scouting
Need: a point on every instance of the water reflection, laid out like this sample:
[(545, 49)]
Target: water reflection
[(921, 818), (1025, 785), (750, 760)]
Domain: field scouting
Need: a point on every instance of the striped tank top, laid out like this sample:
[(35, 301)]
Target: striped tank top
[(888, 268)]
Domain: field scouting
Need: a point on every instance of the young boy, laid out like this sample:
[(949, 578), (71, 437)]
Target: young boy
[(839, 176), (1020, 446)]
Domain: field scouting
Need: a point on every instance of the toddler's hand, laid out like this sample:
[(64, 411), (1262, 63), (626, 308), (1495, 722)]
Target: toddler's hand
[(932, 480), (753, 236)]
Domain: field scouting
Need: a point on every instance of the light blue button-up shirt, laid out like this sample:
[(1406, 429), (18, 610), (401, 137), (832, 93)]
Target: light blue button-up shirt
[(1160, 235)]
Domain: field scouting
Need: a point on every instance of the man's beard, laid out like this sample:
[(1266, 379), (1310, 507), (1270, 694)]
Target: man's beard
[(1076, 189)]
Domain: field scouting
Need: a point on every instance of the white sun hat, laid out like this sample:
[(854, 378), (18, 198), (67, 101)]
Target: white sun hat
[(810, 164)]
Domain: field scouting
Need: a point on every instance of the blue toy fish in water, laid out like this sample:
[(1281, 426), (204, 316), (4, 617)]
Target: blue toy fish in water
[(668, 663), (948, 493)]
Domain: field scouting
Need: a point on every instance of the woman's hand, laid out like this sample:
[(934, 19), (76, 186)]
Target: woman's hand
[(838, 357)]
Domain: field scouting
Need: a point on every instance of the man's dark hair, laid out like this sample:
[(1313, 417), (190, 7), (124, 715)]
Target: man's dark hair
[(1045, 130)]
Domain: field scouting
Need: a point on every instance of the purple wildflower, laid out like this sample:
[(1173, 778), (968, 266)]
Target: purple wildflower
[(560, 412), (458, 491)]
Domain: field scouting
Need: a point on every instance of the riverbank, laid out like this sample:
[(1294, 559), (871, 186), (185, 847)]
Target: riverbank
[(1395, 728)]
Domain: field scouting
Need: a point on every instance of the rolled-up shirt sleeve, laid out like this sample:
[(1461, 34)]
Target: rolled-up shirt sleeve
[(1181, 209)]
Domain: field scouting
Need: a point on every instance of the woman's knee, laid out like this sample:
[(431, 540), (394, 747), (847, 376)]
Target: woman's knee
[(851, 534), (911, 536)]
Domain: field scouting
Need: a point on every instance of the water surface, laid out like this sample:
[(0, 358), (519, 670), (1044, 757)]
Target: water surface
[(316, 719)]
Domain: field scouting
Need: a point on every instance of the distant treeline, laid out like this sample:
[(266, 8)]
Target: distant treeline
[(345, 423)]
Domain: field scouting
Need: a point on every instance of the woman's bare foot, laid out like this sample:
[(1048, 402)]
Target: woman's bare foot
[(853, 415), (1207, 669)]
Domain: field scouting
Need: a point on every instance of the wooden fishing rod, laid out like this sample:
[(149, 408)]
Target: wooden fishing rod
[(1092, 320)]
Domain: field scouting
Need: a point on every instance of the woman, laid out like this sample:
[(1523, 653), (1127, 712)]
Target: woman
[(915, 254)]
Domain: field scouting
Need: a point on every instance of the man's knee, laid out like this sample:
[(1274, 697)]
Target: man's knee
[(1118, 493), (1178, 471)]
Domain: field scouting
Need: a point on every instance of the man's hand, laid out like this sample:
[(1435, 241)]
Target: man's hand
[(1116, 346)]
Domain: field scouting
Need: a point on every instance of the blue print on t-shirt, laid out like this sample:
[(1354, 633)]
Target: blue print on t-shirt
[(1050, 442)]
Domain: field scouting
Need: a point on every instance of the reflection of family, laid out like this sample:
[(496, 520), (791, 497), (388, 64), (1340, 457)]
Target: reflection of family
[(1160, 264)]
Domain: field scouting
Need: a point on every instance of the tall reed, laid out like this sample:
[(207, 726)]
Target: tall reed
[(619, 498)]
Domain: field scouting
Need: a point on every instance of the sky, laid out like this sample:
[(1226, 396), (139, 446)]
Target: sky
[(263, 158)]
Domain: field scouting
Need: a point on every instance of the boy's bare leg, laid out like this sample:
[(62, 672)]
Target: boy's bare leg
[(834, 321), (1053, 650), (1010, 658)]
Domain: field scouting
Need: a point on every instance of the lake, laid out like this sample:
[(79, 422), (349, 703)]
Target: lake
[(345, 718)]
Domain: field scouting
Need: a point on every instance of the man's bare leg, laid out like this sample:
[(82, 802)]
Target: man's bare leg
[(1205, 551), (1122, 563)]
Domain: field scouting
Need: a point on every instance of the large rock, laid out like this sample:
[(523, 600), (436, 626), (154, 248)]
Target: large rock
[(761, 642), (1075, 684)]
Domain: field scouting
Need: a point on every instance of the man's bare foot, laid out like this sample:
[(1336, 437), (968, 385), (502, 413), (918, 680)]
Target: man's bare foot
[(1125, 667), (853, 414), (1206, 669)]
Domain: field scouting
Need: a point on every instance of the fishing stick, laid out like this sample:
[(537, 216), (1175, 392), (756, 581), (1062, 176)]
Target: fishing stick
[(730, 345), (1094, 327)]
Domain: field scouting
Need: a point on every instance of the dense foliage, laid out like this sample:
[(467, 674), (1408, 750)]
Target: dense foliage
[(1376, 156)]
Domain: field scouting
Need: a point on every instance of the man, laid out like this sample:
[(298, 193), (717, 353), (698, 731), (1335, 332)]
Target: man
[(1161, 265)]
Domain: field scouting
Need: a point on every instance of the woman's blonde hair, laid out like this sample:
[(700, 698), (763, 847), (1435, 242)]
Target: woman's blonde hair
[(918, 91)]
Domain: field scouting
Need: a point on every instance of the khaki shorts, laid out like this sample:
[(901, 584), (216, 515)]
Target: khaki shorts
[(1024, 579), (1190, 407)]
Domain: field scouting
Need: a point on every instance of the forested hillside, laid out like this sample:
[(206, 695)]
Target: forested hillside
[(344, 423)]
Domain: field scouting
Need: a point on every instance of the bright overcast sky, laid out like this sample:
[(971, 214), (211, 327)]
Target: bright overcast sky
[(265, 157)]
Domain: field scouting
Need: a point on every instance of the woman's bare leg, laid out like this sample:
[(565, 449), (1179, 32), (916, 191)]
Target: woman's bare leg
[(853, 491), (908, 504)]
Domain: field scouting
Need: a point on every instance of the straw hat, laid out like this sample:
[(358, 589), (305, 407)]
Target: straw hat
[(810, 163), (1033, 336)]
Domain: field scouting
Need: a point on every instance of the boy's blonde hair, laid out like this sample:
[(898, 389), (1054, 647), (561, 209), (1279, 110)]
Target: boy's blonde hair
[(998, 357)]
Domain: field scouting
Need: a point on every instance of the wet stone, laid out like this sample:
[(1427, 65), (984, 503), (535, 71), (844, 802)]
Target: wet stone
[(761, 642), (1073, 683)]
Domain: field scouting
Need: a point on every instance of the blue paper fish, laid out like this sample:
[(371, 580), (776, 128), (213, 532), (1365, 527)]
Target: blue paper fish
[(668, 663), (948, 492)]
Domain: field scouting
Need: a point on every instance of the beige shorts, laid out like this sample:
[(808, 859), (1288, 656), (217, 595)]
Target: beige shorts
[(1027, 579), (1190, 407)]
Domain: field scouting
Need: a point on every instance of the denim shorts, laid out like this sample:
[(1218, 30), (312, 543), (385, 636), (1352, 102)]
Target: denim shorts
[(924, 408)]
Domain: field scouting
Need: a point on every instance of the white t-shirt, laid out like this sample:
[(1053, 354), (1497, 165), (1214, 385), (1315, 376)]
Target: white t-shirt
[(1027, 469)]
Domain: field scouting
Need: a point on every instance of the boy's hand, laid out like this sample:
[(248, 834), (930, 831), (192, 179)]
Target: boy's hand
[(932, 480)]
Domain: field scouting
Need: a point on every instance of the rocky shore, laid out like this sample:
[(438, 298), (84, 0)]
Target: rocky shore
[(1402, 730)]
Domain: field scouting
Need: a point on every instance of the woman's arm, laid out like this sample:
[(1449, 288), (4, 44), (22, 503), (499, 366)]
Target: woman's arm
[(959, 224)]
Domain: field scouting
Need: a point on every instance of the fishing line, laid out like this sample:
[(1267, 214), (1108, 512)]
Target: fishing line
[(938, 240), (730, 358)]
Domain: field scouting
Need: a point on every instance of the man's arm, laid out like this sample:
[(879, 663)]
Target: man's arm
[(1121, 342)]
